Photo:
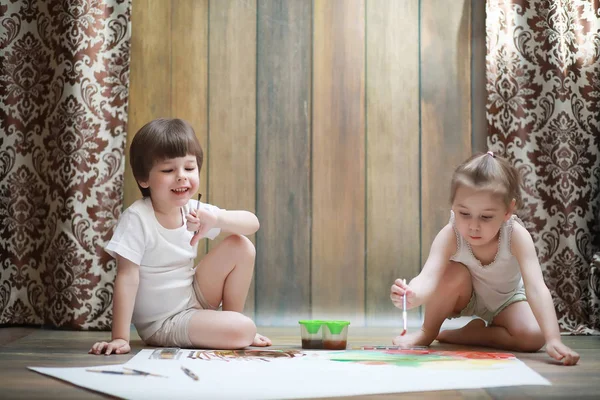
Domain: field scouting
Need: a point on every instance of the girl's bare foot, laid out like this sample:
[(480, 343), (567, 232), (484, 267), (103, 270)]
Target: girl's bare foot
[(261, 341), (418, 338), (458, 336)]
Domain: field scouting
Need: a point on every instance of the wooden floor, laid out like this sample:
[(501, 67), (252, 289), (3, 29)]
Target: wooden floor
[(23, 347)]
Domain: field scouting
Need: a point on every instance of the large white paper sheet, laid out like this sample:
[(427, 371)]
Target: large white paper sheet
[(306, 374)]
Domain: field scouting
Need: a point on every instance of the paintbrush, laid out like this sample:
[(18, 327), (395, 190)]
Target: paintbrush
[(137, 371), (189, 373), (198, 208), (404, 309), (128, 371)]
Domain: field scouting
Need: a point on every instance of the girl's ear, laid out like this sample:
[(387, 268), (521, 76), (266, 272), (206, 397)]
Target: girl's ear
[(511, 209), (144, 184)]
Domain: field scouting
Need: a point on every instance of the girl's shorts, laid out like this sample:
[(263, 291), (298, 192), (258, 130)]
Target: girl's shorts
[(174, 330), (476, 307)]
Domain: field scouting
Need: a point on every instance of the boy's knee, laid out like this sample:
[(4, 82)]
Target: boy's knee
[(242, 243)]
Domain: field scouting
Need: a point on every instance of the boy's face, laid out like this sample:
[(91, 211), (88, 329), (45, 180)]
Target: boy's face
[(173, 181), (479, 214)]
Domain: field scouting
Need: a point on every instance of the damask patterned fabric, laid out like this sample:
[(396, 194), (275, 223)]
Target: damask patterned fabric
[(543, 109), (64, 72)]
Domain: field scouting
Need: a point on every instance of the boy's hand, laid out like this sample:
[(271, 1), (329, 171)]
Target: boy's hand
[(117, 346), (200, 221), (400, 288), (559, 351)]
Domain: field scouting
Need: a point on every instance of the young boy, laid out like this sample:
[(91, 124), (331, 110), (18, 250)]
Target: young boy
[(171, 302)]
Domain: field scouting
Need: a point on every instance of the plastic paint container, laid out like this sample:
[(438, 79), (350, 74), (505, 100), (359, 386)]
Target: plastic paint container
[(320, 334), (312, 333), (335, 335)]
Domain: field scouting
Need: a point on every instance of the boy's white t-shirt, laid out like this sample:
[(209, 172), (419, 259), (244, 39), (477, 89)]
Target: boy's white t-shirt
[(166, 261)]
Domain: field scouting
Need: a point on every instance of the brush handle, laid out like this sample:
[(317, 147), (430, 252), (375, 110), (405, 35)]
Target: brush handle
[(404, 298), (113, 372), (198, 208), (404, 307)]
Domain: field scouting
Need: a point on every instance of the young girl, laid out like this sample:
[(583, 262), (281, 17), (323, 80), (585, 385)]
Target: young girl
[(170, 302), (484, 263)]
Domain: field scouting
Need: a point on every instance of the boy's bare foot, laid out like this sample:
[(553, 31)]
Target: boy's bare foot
[(418, 338), (261, 341), (461, 335)]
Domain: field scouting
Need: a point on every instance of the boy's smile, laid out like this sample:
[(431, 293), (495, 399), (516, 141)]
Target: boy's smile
[(182, 191), (172, 182)]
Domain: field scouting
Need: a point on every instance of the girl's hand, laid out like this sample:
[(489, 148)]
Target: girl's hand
[(117, 346), (399, 289), (559, 351), (200, 221)]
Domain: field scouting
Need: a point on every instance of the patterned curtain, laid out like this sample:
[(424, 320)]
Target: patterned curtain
[(543, 110), (64, 72)]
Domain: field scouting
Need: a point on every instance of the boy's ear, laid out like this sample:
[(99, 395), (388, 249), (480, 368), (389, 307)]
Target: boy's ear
[(143, 184)]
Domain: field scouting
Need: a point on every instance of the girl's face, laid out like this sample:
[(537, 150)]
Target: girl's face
[(479, 215), (173, 181)]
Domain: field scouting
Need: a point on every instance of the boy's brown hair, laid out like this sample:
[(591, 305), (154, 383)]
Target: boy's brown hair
[(158, 140), (486, 171)]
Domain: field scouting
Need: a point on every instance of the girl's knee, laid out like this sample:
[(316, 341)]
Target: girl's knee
[(456, 275), (529, 339)]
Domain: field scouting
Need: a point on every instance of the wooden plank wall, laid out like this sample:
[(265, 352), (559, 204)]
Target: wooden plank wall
[(338, 161), (283, 163), (337, 121), (393, 219)]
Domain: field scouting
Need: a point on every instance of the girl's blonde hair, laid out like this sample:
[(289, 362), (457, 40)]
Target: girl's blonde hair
[(486, 171)]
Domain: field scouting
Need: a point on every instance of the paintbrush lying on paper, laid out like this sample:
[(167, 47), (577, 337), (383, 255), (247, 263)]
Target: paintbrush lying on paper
[(189, 373), (128, 371), (404, 309)]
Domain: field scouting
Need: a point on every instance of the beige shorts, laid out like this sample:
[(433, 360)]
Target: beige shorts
[(174, 330), (476, 307)]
